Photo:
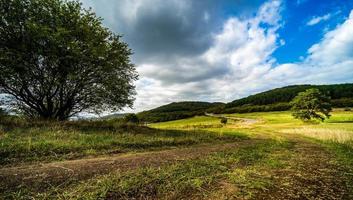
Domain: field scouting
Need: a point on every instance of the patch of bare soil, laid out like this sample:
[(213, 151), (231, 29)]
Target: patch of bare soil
[(312, 173), (42, 176)]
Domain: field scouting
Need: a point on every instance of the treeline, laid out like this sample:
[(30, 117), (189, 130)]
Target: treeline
[(286, 94), (272, 100), (177, 110), (281, 106), (256, 108), (278, 99)]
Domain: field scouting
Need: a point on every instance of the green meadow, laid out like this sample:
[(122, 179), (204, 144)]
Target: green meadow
[(269, 155), (54, 142), (77, 91)]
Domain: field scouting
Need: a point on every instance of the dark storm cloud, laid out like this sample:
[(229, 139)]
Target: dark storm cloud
[(217, 50), (170, 31), (172, 40), (182, 71), (161, 30)]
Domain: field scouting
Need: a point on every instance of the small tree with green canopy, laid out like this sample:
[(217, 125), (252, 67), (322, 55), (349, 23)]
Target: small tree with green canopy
[(311, 104), (57, 60)]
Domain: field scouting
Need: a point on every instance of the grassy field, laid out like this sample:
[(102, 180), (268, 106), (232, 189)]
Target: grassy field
[(339, 128), (271, 156), (51, 142)]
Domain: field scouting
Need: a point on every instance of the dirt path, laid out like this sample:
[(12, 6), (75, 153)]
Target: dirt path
[(56, 173), (311, 172)]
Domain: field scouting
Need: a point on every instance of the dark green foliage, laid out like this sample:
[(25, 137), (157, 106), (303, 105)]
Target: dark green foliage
[(224, 120), (258, 108), (175, 111), (278, 99), (57, 59), (3, 115), (341, 103), (272, 100), (2, 112), (286, 94), (131, 118), (311, 104)]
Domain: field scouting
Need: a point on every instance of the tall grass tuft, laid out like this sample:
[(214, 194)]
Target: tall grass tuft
[(327, 134)]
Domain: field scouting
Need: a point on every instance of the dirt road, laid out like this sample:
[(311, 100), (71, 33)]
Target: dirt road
[(56, 173)]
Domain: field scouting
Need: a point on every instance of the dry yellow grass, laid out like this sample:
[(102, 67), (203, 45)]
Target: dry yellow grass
[(337, 135)]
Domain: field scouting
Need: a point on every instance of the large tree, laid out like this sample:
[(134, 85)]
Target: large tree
[(57, 59), (311, 104)]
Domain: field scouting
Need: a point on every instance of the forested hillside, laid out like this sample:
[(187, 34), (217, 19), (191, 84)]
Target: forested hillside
[(273, 100), (278, 99), (286, 94), (179, 110)]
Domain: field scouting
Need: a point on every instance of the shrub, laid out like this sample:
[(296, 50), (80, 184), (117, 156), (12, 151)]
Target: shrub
[(224, 120), (2, 112), (131, 118)]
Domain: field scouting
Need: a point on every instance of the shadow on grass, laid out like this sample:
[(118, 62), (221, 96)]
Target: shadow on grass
[(340, 122)]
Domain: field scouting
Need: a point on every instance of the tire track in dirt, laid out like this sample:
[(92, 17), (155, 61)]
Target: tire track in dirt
[(56, 173)]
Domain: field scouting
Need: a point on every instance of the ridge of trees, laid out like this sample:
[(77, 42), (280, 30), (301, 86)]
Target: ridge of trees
[(272, 100)]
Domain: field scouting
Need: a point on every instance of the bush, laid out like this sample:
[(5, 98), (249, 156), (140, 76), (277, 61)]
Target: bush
[(224, 120), (2, 112), (131, 118)]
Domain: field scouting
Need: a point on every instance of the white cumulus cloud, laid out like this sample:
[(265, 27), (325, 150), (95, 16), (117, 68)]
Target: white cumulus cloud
[(317, 19), (232, 62), (243, 51)]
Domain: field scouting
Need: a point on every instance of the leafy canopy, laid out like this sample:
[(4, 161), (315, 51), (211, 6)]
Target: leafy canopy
[(56, 60), (311, 104)]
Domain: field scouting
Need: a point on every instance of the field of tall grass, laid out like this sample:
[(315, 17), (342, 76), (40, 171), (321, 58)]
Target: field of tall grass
[(338, 128), (269, 154), (23, 141)]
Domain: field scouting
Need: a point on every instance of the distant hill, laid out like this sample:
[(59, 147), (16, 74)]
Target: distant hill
[(286, 94), (279, 98), (114, 116), (177, 110), (272, 100)]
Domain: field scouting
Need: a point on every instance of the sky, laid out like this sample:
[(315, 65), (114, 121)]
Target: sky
[(222, 50)]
